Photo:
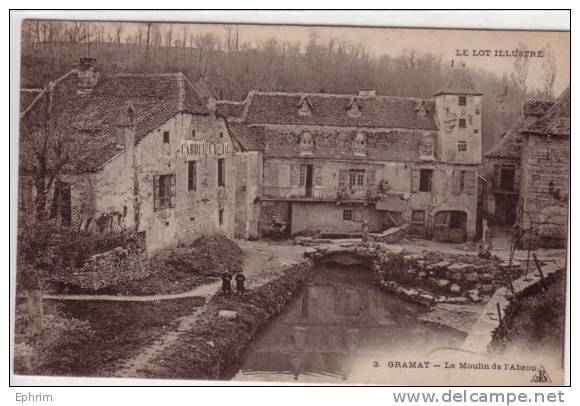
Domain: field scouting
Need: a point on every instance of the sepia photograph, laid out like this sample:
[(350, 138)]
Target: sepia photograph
[(291, 204)]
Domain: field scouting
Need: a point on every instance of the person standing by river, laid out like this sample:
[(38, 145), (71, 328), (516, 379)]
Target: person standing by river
[(227, 282), (240, 282), (365, 231)]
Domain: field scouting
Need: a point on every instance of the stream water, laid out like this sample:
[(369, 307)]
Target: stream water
[(341, 328)]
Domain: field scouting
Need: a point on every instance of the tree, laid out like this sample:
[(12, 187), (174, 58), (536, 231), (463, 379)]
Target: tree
[(46, 133), (550, 69)]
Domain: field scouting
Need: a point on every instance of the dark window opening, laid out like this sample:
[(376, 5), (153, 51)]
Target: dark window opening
[(347, 214), (508, 175), (221, 216), (425, 180), (164, 190), (461, 146), (462, 123), (418, 216), (462, 100), (221, 172), (166, 137), (192, 133), (192, 175), (221, 134)]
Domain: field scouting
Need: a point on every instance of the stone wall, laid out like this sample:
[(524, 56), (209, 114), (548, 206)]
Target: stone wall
[(545, 191), (119, 265), (426, 278)]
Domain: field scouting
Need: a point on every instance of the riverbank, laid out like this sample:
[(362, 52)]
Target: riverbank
[(224, 327)]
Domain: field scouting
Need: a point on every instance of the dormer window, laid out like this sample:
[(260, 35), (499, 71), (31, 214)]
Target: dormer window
[(427, 148), (353, 109), (421, 109), (304, 107), (359, 145), (306, 143)]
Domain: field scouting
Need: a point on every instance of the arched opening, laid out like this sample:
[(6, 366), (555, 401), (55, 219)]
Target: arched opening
[(450, 226)]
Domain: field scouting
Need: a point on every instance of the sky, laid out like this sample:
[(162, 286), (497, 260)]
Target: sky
[(395, 41)]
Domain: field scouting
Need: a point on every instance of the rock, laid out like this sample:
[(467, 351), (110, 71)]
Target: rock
[(471, 278), (442, 283), (442, 265), (455, 289), (426, 298), (210, 343), (228, 314), (457, 300), (473, 295), (460, 267), (309, 252), (413, 257), (486, 277), (487, 289)]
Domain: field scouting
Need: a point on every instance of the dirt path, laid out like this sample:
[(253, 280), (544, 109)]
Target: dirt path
[(259, 257), (261, 262)]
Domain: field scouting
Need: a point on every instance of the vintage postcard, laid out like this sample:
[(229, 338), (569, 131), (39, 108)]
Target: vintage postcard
[(297, 204)]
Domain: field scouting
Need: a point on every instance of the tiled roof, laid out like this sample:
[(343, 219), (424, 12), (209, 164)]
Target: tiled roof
[(332, 110), (458, 81), (510, 146), (93, 118), (536, 107), (556, 121), (388, 144), (230, 109), (248, 138)]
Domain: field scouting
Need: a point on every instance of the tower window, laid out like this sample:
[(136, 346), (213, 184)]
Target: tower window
[(475, 131), (462, 123), (192, 133), (462, 100), (477, 110), (166, 137), (461, 146), (221, 216)]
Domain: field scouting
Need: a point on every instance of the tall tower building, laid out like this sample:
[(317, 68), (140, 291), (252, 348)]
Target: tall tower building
[(458, 115)]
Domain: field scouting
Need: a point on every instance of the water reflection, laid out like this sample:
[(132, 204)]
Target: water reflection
[(340, 322)]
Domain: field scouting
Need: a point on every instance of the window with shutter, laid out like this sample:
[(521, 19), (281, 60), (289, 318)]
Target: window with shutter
[(163, 191), (172, 191), (294, 175), (415, 177), (317, 176), (156, 202), (470, 182), (456, 183), (191, 175)]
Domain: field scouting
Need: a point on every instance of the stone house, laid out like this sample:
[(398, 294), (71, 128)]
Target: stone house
[(142, 151), (332, 161), (544, 192), (503, 167)]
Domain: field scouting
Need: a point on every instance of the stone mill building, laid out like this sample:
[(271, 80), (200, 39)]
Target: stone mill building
[(333, 161)]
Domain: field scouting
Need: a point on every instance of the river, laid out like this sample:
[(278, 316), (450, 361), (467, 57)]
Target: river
[(341, 328)]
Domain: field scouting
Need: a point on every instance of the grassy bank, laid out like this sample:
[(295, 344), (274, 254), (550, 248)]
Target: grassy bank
[(82, 338), (206, 351), (534, 321)]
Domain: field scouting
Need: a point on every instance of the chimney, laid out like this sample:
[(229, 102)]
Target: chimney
[(88, 76), (367, 92), (125, 127)]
